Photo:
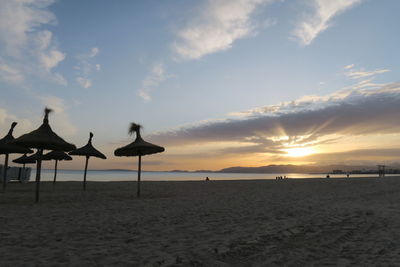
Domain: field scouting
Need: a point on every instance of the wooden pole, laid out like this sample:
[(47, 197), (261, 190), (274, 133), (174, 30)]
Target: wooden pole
[(138, 178), (19, 174), (5, 172), (38, 169), (84, 176), (55, 172), (23, 171)]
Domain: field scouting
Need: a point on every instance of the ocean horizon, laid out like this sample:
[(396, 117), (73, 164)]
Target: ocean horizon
[(131, 175)]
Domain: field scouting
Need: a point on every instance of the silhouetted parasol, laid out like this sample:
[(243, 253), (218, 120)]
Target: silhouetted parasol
[(36, 156), (138, 148), (56, 155), (43, 138), (24, 159), (7, 148), (89, 151)]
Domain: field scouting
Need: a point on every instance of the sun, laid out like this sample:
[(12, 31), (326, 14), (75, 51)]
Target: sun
[(299, 151)]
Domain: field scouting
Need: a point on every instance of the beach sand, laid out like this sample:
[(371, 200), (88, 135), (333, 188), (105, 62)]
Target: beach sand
[(293, 222)]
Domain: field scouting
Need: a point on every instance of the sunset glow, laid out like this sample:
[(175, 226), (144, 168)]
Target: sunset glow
[(299, 151)]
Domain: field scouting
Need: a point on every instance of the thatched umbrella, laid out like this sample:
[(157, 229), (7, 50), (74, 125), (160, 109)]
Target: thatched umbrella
[(36, 156), (138, 148), (43, 138), (56, 155), (7, 148), (24, 159), (89, 151)]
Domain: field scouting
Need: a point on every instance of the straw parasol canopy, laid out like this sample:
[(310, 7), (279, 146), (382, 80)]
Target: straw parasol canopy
[(7, 148), (138, 148), (36, 156), (43, 138), (89, 151), (24, 159), (56, 155)]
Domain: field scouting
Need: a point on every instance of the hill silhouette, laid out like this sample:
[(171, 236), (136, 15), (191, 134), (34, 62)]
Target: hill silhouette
[(289, 168)]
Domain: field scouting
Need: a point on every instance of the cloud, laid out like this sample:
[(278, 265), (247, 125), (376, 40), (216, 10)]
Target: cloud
[(94, 51), (9, 73), (305, 121), (85, 67), (58, 78), (217, 27), (323, 12), (358, 156), (350, 66), (365, 78), (25, 47), (60, 120), (361, 73), (48, 55), (19, 20), (83, 82), (156, 76), (251, 149), (7, 118)]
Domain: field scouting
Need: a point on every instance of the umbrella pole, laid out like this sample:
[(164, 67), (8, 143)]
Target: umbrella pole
[(23, 170), (5, 172), (84, 176), (55, 172), (138, 177), (38, 169)]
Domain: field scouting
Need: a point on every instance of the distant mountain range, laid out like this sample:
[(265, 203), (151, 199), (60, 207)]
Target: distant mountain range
[(303, 169), (289, 168)]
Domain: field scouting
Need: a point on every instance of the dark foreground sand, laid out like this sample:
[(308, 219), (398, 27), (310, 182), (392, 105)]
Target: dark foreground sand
[(314, 222)]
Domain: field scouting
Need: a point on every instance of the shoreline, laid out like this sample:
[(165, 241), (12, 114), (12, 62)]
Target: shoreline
[(213, 179), (48, 175)]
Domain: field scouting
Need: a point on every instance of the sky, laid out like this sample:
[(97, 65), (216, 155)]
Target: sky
[(218, 83)]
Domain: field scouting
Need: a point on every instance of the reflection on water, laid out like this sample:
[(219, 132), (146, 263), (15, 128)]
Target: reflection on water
[(72, 175)]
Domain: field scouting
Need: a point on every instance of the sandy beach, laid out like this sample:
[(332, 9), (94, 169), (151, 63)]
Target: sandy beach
[(293, 222)]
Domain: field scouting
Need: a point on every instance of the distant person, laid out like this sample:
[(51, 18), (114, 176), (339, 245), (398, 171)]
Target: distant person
[(348, 175), (207, 179), (327, 176)]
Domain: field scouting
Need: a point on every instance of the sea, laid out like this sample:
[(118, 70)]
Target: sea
[(116, 175)]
